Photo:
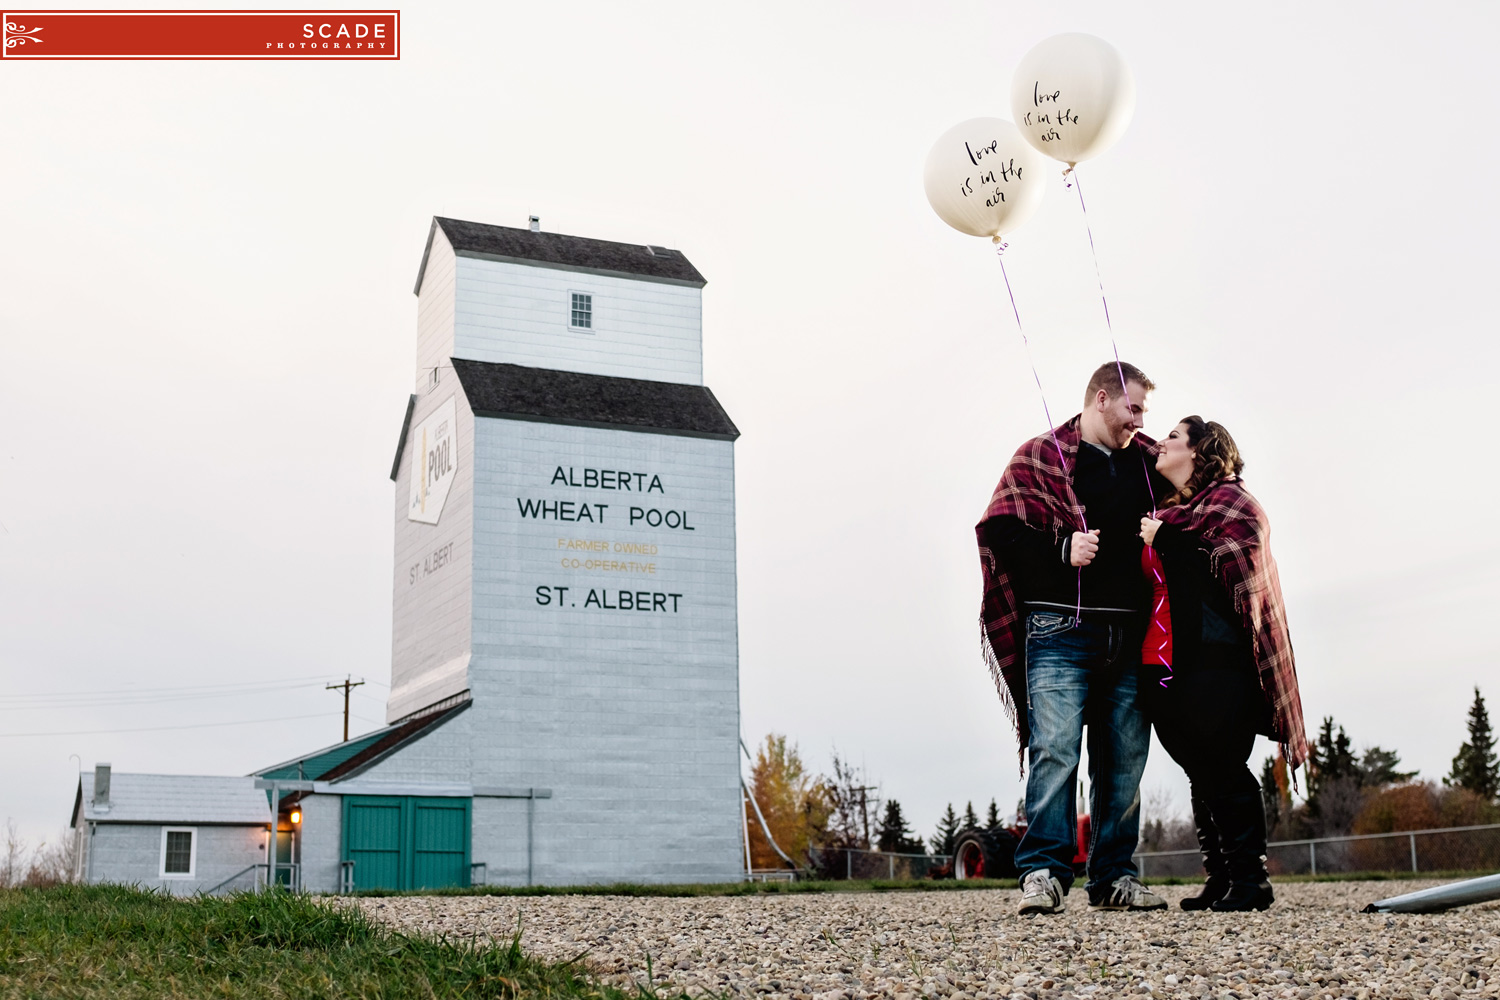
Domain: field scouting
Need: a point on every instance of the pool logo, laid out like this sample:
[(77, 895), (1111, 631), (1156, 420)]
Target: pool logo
[(434, 463)]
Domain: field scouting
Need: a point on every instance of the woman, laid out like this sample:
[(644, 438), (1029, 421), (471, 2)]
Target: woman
[(1217, 662)]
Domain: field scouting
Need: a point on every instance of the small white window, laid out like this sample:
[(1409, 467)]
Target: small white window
[(179, 851), (582, 313)]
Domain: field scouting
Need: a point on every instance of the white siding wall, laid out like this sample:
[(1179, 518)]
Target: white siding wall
[(130, 853), (519, 314), (321, 841), (500, 838), (632, 718), (440, 757), (432, 607), (435, 311)]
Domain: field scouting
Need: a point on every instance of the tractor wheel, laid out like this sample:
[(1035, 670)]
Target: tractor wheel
[(981, 853)]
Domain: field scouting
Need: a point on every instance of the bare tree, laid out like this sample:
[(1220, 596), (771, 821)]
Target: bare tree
[(852, 803), (12, 864), (52, 864), (1164, 827), (49, 864)]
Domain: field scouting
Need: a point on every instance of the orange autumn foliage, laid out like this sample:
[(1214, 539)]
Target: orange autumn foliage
[(792, 800)]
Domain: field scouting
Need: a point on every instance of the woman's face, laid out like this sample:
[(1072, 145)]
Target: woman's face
[(1175, 460)]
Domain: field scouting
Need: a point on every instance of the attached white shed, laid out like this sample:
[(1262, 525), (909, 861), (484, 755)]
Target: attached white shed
[(178, 833)]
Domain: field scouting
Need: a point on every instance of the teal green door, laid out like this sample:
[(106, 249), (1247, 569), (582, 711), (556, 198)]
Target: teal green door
[(440, 843), (372, 840), (403, 842)]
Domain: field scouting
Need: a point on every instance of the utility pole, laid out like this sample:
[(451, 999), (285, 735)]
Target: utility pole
[(345, 687)]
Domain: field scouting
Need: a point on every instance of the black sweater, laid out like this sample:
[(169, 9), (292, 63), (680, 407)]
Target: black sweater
[(1208, 634), (1114, 491), (1203, 613)]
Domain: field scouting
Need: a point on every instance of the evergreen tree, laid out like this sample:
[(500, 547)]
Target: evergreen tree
[(947, 832), (1377, 768), (1475, 767), (992, 818), (971, 818), (895, 835), (1332, 756), (1332, 780)]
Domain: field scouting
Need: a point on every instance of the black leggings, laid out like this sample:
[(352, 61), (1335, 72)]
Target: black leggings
[(1207, 717)]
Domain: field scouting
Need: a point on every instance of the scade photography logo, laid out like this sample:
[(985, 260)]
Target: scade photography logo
[(200, 34)]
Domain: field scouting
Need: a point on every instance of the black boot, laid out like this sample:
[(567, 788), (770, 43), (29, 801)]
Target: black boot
[(1241, 822), (1217, 883)]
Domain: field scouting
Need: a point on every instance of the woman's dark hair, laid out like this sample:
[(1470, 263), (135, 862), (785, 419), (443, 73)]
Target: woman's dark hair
[(1215, 457)]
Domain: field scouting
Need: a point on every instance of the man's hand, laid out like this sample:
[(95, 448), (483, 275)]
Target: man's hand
[(1084, 547), (1148, 529)]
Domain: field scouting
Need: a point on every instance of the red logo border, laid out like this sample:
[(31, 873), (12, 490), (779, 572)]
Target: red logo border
[(8, 15)]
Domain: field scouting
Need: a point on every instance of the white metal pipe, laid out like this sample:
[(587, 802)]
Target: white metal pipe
[(745, 829), (1442, 897), (762, 820)]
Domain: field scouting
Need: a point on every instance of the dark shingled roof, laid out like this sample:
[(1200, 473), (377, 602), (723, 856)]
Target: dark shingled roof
[(557, 397), (342, 759), (569, 253)]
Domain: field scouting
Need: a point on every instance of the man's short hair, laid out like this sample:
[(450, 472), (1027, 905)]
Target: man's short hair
[(1108, 377)]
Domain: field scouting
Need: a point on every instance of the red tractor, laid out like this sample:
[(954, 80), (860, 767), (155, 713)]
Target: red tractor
[(991, 853)]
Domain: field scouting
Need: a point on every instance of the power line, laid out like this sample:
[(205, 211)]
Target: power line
[(163, 729), (123, 696), (98, 701), (176, 687)]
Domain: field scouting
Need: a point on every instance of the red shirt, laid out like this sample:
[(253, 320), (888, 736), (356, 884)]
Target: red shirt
[(1157, 649)]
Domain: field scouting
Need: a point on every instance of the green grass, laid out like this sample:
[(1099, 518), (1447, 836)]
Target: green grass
[(119, 942)]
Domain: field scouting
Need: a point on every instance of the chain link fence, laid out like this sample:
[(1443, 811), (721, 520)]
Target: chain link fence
[(1452, 849), (854, 863)]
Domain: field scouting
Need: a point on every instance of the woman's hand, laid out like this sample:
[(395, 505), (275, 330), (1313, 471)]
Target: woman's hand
[(1148, 529)]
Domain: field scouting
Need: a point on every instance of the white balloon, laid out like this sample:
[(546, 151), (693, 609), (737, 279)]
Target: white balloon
[(1072, 96), (982, 178)]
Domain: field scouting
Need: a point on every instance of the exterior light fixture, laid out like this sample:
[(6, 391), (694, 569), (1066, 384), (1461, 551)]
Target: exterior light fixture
[(296, 816)]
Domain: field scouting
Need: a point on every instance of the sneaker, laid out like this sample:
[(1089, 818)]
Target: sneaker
[(1125, 893), (1041, 893)]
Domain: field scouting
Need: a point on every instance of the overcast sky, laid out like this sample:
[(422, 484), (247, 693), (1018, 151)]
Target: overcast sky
[(207, 338)]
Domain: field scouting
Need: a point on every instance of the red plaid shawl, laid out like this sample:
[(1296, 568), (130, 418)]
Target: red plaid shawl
[(1037, 487), (1231, 525)]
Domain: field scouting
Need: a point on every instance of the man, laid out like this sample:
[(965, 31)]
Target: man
[(1065, 606)]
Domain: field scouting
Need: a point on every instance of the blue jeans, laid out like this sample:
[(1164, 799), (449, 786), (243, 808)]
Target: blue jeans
[(1077, 674)]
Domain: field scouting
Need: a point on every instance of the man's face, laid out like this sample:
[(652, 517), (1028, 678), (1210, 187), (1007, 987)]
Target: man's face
[(1124, 414)]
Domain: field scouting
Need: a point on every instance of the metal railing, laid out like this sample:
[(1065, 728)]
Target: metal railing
[(1456, 848), (292, 868), (346, 877)]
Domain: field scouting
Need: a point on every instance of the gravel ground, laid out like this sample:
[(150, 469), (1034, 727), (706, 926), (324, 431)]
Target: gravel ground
[(966, 945)]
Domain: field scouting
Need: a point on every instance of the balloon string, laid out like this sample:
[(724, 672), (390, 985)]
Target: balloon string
[(1062, 460), (1077, 184)]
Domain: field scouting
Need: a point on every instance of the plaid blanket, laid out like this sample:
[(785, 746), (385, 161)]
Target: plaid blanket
[(1231, 525), (1037, 487)]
